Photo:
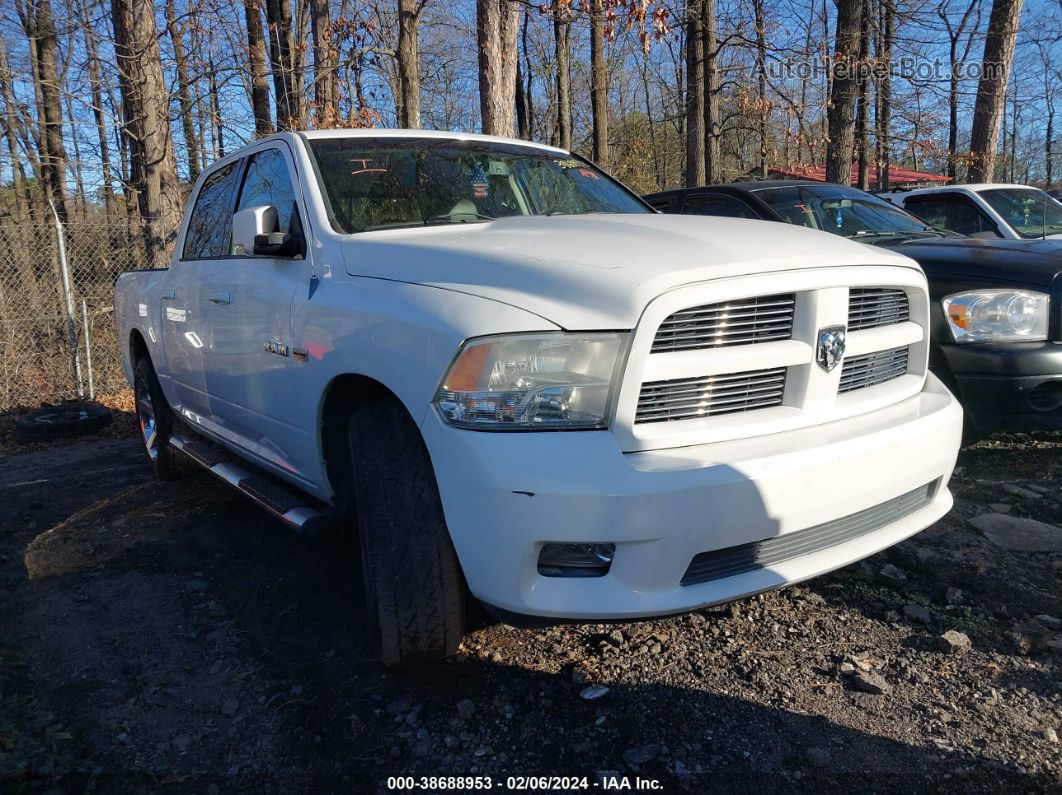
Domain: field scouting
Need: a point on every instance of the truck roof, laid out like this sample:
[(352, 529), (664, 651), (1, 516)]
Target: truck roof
[(378, 132)]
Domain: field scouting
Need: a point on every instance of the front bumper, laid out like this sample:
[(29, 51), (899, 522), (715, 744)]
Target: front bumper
[(507, 494), (1006, 386)]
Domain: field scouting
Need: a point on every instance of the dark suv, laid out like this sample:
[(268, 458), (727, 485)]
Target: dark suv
[(997, 324)]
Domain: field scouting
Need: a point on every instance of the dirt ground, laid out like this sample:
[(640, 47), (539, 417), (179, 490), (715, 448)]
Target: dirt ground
[(171, 637)]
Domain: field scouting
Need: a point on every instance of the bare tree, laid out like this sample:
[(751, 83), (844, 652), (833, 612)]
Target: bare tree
[(153, 170), (883, 106), (762, 108), (184, 97), (695, 170), (497, 22), (40, 28), (408, 56), (287, 85), (712, 117), (598, 83), (862, 120), (563, 75), (325, 66), (256, 57), (991, 89), (23, 205), (957, 54), (843, 92)]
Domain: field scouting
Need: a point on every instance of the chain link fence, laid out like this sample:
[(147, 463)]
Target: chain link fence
[(57, 333)]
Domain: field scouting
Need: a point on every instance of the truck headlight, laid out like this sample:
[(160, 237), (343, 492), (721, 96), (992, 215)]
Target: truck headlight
[(539, 381), (997, 315)]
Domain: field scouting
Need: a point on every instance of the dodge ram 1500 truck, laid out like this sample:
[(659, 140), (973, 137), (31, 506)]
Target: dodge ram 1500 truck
[(517, 380)]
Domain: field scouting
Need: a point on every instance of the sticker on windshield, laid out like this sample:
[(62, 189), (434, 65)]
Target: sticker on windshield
[(479, 183)]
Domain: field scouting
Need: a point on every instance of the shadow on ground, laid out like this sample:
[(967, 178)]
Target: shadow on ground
[(170, 635)]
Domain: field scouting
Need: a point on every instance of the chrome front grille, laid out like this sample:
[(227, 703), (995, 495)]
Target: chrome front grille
[(870, 307), (860, 372), (690, 398), (740, 322)]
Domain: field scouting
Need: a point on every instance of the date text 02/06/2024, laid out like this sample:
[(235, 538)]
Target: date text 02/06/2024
[(608, 782)]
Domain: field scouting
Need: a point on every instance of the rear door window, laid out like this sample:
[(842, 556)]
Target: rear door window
[(717, 204), (952, 212), (210, 226)]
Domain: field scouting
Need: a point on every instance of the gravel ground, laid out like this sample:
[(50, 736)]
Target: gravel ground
[(170, 636)]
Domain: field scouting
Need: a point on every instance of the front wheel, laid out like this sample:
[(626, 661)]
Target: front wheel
[(415, 593), (156, 423)]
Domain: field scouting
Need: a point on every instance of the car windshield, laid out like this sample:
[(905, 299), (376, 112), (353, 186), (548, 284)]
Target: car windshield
[(1029, 211), (843, 211), (386, 183)]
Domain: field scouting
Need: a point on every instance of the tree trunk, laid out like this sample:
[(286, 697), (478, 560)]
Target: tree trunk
[(144, 110), (325, 66), (21, 187), (843, 92), (184, 97), (79, 181), (599, 84), (1048, 168), (215, 108), (761, 84), (713, 166), (883, 117), (409, 63), (299, 47), (263, 118), (52, 148), (862, 124), (99, 116), (695, 171), (525, 122), (497, 22), (562, 56), (1013, 130), (281, 56), (991, 90)]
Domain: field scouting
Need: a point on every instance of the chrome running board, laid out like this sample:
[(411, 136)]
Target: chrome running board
[(280, 500)]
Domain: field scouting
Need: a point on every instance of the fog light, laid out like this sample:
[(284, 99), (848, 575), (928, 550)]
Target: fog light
[(1046, 396), (575, 560)]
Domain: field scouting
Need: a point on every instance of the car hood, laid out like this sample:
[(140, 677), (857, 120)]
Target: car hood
[(1032, 262), (596, 271)]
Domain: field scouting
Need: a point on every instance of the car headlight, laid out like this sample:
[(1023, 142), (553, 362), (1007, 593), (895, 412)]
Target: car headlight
[(540, 381), (997, 315)]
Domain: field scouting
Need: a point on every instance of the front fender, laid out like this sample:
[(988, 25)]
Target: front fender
[(402, 335)]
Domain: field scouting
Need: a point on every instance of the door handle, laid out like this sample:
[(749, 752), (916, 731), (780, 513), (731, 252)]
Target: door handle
[(169, 295), (221, 298)]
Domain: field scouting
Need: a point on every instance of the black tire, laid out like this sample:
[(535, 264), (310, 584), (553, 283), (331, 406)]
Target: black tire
[(166, 461), (73, 418), (414, 590)]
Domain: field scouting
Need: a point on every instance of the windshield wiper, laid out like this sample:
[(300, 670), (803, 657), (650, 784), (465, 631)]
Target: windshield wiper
[(447, 218), (896, 233)]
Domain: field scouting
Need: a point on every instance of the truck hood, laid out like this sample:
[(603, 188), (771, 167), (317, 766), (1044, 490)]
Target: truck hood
[(596, 271), (1028, 262)]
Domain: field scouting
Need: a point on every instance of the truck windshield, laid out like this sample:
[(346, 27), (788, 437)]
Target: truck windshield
[(1031, 212), (386, 183), (843, 211)]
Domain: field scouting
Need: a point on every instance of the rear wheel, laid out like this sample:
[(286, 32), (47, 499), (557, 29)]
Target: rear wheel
[(414, 589), (156, 422)]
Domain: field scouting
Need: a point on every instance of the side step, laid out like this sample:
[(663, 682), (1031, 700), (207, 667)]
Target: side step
[(278, 499)]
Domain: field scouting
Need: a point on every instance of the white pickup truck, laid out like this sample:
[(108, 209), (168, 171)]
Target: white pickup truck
[(521, 383)]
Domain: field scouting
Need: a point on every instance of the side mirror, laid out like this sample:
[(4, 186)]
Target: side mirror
[(248, 224), (277, 244)]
